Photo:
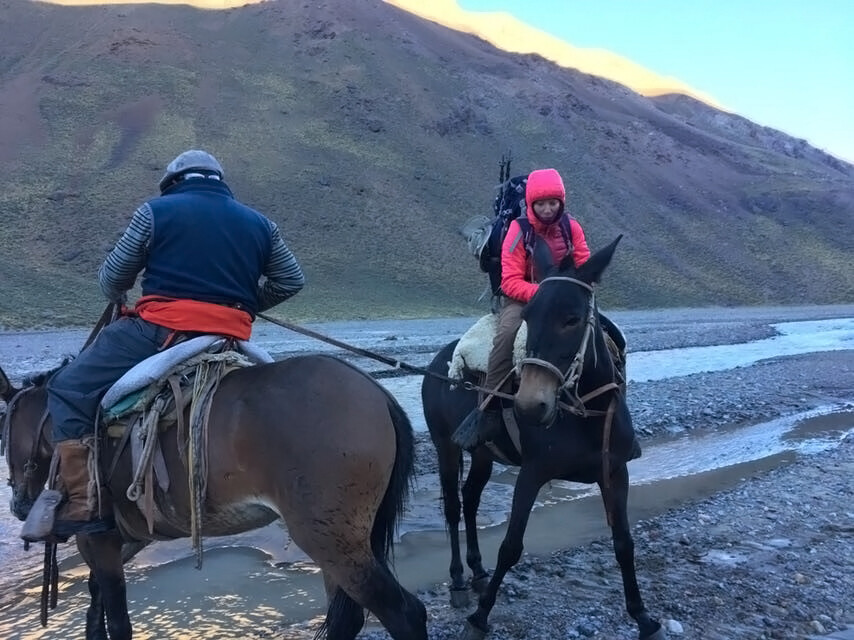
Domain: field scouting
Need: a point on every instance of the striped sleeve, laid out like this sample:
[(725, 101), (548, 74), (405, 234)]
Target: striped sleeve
[(283, 275), (119, 270)]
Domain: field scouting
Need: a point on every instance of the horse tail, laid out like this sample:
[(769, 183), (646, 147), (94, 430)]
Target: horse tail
[(342, 610), (400, 484)]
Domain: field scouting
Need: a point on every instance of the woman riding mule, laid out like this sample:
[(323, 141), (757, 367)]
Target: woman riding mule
[(545, 221), (202, 254), (573, 424)]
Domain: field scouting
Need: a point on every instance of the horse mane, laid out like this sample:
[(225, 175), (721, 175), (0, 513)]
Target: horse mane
[(39, 379)]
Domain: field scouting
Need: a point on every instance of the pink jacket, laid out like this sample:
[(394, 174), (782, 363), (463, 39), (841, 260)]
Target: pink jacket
[(517, 268)]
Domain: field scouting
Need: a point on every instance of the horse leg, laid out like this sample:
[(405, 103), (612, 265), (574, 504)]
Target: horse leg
[(525, 492), (95, 627), (356, 573), (478, 476), (344, 616), (449, 470), (373, 585), (103, 554), (130, 549), (616, 501)]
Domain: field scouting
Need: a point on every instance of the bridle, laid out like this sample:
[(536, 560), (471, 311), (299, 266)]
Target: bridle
[(30, 465), (568, 380), (568, 385)]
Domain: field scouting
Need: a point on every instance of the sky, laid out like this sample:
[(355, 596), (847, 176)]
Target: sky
[(786, 64)]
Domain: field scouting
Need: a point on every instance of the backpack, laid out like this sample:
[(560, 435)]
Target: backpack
[(509, 205)]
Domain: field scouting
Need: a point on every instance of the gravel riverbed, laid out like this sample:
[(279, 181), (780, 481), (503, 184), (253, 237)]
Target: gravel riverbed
[(770, 558)]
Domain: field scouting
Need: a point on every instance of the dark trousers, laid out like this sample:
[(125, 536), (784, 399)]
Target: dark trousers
[(74, 392)]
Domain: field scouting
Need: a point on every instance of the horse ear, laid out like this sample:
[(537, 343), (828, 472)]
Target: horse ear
[(543, 261), (6, 388), (591, 271), (567, 263)]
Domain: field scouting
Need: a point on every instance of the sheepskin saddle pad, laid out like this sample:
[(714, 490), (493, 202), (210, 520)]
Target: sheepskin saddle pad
[(472, 351)]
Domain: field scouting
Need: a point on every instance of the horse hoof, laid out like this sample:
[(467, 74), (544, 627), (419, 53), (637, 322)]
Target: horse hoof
[(459, 598), (478, 585), (658, 634), (471, 632)]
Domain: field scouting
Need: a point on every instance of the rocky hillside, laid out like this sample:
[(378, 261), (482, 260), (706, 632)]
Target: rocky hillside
[(370, 135)]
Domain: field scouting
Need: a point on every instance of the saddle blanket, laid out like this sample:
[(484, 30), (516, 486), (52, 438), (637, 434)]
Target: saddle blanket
[(154, 368), (472, 351)]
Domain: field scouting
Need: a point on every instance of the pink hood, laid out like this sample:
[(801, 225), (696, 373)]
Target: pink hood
[(543, 184)]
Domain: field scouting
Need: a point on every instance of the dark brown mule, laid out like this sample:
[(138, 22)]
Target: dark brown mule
[(311, 439), (567, 363)]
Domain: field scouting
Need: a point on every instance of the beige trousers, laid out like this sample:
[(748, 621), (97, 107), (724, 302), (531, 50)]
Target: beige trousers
[(501, 356)]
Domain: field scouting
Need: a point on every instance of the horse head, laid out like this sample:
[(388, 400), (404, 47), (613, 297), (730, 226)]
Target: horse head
[(25, 442), (564, 337)]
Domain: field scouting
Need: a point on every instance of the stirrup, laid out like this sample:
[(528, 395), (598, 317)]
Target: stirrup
[(39, 525)]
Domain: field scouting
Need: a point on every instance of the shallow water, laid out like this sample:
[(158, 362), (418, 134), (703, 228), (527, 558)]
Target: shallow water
[(249, 586)]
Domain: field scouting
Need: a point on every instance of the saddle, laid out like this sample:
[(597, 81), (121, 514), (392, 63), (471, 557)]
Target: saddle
[(151, 398), (472, 351)]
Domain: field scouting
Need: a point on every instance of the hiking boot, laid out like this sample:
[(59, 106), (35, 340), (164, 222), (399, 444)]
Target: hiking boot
[(79, 511), (478, 427)]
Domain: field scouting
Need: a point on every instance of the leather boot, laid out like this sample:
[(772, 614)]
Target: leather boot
[(490, 425), (81, 511), (477, 428)]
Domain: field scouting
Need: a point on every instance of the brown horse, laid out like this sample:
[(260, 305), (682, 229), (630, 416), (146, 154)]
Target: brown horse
[(312, 440)]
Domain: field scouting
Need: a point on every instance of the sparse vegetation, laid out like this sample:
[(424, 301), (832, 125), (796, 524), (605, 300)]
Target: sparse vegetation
[(370, 135)]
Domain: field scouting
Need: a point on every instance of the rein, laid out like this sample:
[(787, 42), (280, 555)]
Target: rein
[(569, 379), (30, 465)]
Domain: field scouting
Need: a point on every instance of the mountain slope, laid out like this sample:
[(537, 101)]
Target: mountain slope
[(370, 135)]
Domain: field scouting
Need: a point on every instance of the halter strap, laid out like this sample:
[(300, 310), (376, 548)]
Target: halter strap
[(580, 283), (568, 380)]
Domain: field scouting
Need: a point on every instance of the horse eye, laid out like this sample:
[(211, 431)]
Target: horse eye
[(571, 321)]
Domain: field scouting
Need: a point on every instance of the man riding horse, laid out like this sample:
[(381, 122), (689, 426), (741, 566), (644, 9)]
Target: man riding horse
[(544, 220), (209, 263)]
